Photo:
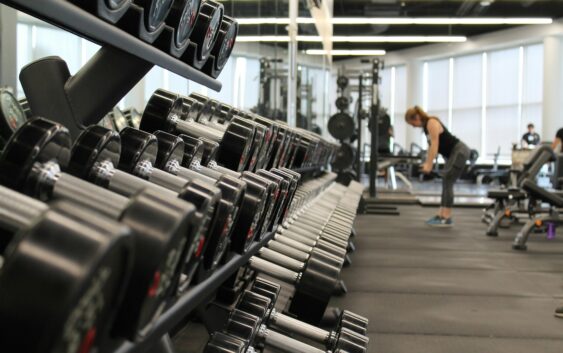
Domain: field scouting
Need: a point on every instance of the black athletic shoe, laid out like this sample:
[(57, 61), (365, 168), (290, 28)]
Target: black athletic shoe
[(559, 312)]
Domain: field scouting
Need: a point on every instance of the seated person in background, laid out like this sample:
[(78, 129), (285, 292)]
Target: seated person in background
[(531, 138), (558, 139)]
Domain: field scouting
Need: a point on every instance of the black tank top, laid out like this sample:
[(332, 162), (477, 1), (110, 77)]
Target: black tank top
[(446, 140)]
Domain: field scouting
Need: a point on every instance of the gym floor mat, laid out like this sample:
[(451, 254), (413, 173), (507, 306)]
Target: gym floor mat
[(429, 290)]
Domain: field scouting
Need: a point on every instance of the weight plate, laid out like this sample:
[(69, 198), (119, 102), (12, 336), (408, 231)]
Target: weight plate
[(342, 82), (235, 147), (136, 146), (220, 342), (182, 18), (193, 151), (158, 112), (61, 296), (341, 126), (225, 42), (342, 103), (115, 4), (13, 115), (37, 140), (344, 158), (206, 28), (94, 145), (156, 12)]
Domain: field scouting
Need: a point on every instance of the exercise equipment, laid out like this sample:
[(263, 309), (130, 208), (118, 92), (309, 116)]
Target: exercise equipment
[(341, 126), (182, 18), (164, 111), (95, 155), (204, 34), (31, 163), (254, 202), (62, 295), (342, 103), (252, 303), (170, 155), (223, 48), (551, 220), (345, 156)]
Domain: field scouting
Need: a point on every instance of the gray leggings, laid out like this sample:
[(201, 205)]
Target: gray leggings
[(452, 171)]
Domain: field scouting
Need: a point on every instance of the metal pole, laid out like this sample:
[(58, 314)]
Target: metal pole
[(292, 60), (360, 151), (375, 104)]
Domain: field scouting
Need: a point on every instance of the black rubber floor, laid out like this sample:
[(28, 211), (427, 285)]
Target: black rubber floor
[(453, 290)]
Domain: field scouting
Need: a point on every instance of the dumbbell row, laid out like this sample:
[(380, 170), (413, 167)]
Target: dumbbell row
[(48, 182), (255, 321), (194, 31), (246, 142), (254, 303)]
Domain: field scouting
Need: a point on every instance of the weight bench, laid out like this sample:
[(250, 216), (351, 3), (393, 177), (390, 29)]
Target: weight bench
[(509, 201), (551, 219), (506, 203)]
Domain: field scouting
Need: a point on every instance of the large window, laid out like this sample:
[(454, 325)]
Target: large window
[(467, 100), (487, 99), (532, 87), (436, 79), (502, 120), (399, 104)]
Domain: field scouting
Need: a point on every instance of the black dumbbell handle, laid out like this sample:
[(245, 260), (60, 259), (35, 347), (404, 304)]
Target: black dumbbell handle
[(58, 185), (189, 174), (124, 183), (146, 170), (195, 128)]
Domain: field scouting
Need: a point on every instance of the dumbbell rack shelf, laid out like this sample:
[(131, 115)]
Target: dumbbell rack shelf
[(196, 296), (68, 16)]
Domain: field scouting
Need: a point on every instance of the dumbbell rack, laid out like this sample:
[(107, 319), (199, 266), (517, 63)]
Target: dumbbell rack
[(103, 91), (100, 89)]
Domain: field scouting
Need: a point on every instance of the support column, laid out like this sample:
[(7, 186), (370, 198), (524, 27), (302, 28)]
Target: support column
[(552, 117), (8, 47), (292, 64), (414, 97)]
